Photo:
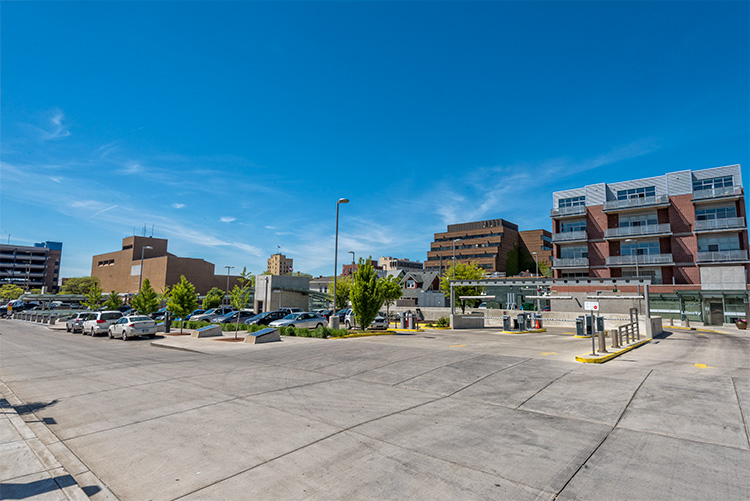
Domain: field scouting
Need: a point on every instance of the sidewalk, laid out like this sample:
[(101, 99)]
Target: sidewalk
[(28, 469)]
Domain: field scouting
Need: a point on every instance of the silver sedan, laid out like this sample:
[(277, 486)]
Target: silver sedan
[(302, 320), (128, 327)]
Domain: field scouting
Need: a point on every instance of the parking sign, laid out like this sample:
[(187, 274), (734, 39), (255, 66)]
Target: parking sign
[(591, 305)]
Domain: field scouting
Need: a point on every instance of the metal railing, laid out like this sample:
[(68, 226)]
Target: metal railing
[(726, 223), (632, 231), (636, 202), (571, 262), (643, 259), (726, 191), (721, 256), (569, 236), (577, 210)]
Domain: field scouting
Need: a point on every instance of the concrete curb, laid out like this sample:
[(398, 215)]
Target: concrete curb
[(587, 359), (366, 334), (525, 332)]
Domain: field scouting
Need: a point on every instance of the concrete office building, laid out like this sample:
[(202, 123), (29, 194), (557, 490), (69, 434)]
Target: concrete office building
[(121, 270), (388, 263), (685, 230), (279, 264), (31, 267)]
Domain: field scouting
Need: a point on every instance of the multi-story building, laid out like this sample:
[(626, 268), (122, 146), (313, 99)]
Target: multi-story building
[(121, 270), (36, 267), (279, 264), (539, 241), (350, 269), (685, 229), (388, 263)]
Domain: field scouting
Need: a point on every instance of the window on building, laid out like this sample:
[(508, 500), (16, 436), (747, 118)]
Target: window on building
[(714, 182), (411, 284), (571, 202), (653, 274), (638, 220), (644, 248), (648, 191), (574, 274), (574, 251), (718, 243), (575, 225), (717, 212)]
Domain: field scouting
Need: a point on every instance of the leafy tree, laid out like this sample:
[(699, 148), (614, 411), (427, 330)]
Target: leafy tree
[(183, 299), (343, 286), (79, 285), (240, 295), (35, 291), (93, 297), (146, 301), (512, 263), (392, 291), (213, 298), (366, 293), (163, 296), (545, 269), (10, 291), (300, 274), (464, 271), (113, 301)]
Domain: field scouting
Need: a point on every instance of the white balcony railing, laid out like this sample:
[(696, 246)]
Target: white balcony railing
[(726, 191), (721, 256), (636, 231), (643, 259), (727, 223), (636, 202), (577, 210), (571, 262), (569, 236)]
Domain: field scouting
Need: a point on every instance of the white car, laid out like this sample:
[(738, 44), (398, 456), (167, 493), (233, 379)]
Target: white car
[(380, 322), (131, 326), (302, 320), (98, 322)]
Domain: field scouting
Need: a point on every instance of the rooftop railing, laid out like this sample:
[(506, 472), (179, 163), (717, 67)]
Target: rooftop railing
[(726, 191), (577, 210), (635, 202)]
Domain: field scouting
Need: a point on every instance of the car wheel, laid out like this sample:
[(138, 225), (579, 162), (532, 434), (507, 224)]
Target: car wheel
[(67, 328), (348, 325), (109, 333), (292, 326), (319, 326), (152, 336), (124, 336)]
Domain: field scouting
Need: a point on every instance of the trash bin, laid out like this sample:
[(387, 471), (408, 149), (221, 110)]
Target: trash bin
[(506, 323), (579, 326), (410, 321)]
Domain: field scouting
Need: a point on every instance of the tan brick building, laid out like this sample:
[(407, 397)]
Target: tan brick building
[(121, 270), (539, 241), (279, 264)]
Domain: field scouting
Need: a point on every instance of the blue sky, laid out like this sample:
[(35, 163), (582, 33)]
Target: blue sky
[(232, 128)]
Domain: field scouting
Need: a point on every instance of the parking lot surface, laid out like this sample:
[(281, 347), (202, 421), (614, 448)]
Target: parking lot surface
[(431, 415)]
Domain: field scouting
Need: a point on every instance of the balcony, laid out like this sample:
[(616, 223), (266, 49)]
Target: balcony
[(570, 236), (727, 223), (636, 203), (578, 210), (571, 262), (730, 256), (713, 193), (643, 260), (651, 230)]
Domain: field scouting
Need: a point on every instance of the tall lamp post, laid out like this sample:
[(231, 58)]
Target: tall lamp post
[(637, 272), (229, 268), (536, 275), (334, 319), (352, 253), (140, 280)]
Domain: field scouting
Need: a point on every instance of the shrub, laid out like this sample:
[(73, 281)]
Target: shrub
[(443, 322)]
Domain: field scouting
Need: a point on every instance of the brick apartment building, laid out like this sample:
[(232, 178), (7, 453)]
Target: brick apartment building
[(685, 230), (36, 267), (279, 264), (485, 243), (121, 270)]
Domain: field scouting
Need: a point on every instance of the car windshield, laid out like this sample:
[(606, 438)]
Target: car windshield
[(291, 316), (140, 319), (111, 316), (208, 312)]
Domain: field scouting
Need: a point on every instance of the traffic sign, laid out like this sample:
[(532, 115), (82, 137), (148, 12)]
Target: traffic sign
[(591, 305)]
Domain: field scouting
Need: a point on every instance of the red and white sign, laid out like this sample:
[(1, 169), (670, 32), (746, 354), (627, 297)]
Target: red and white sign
[(591, 305)]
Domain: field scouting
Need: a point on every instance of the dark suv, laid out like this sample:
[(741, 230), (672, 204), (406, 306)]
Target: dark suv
[(266, 317)]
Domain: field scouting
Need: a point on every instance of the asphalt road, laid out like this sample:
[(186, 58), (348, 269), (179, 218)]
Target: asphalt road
[(435, 415)]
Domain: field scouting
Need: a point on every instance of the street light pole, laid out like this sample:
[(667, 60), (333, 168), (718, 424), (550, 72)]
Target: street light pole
[(140, 279), (228, 268), (352, 253), (536, 275), (334, 319), (453, 293), (637, 272)]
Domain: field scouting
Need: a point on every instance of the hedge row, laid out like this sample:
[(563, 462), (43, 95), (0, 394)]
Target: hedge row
[(320, 332)]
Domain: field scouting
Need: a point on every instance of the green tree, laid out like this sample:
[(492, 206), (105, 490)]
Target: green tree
[(10, 291), (163, 296), (392, 291), (35, 291), (183, 299), (79, 285), (113, 301), (545, 269), (93, 297), (146, 301), (512, 263), (343, 286), (240, 295), (464, 271), (213, 298), (366, 293)]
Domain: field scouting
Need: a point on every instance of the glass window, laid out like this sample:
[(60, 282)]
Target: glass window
[(647, 247), (648, 191), (574, 251), (638, 220), (576, 225), (718, 243), (707, 213), (715, 182), (571, 202)]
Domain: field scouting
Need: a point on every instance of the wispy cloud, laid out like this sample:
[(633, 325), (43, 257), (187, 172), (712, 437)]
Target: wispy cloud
[(56, 129), (104, 210), (228, 219), (178, 205)]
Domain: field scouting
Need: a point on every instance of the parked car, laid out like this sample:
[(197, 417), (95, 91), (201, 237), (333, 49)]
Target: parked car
[(98, 322), (231, 318), (160, 314), (324, 313), (305, 319), (131, 326), (266, 317), (213, 312), (75, 324), (380, 321), (195, 312), (292, 310)]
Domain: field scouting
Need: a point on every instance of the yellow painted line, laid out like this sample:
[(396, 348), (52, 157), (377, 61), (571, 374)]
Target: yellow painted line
[(586, 359), (515, 332), (668, 327), (702, 334), (703, 366), (457, 345), (582, 337), (545, 353)]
